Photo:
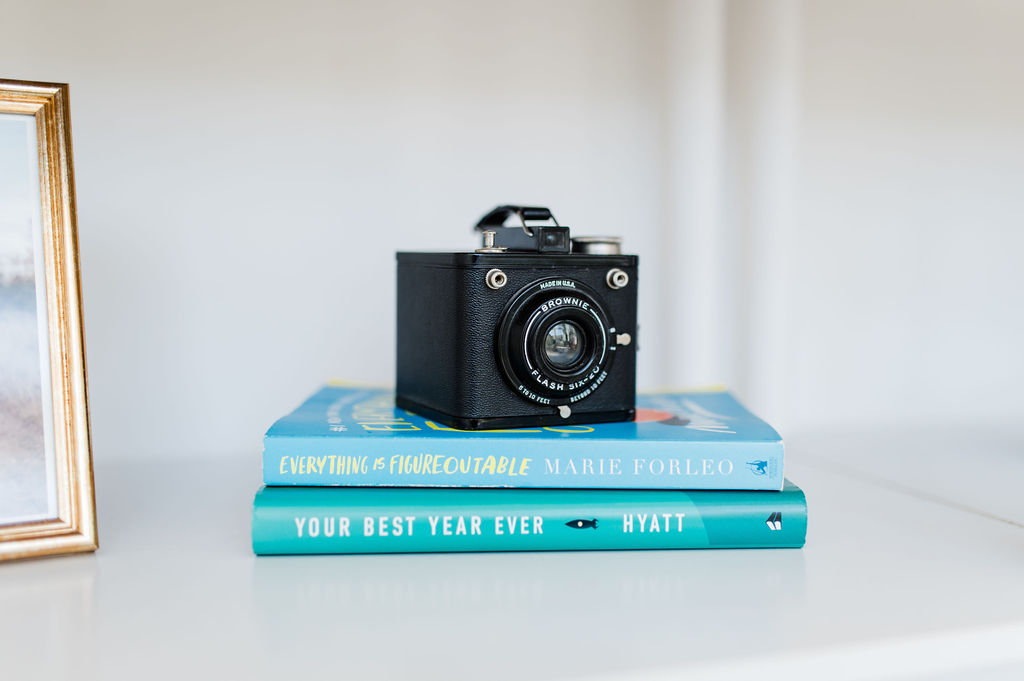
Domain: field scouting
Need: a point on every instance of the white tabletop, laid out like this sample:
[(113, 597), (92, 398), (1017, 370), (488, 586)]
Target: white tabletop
[(914, 568)]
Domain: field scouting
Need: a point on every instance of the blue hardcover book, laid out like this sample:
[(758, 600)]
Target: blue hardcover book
[(298, 520), (348, 436)]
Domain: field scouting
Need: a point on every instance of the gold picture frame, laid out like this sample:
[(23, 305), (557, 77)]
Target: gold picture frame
[(41, 228)]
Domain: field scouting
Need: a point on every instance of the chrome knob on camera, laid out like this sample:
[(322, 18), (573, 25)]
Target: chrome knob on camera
[(597, 245), (495, 279), (616, 278)]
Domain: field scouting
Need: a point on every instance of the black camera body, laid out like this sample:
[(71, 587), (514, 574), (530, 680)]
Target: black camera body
[(532, 329)]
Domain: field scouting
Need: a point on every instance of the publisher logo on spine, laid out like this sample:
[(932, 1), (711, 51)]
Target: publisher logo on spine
[(764, 467), (774, 522)]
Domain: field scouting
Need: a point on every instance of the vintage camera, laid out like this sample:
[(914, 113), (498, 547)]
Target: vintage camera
[(532, 329)]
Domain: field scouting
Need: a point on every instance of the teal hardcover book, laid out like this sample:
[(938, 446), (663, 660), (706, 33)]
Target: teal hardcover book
[(309, 520), (350, 436)]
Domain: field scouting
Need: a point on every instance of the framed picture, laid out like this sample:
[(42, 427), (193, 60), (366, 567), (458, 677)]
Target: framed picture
[(46, 487)]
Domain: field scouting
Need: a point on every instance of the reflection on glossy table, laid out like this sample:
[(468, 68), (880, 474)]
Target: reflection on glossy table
[(914, 568)]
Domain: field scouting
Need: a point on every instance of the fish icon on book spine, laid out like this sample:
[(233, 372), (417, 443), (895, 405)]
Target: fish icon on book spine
[(582, 523)]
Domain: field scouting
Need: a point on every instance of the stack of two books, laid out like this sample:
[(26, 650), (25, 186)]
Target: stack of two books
[(348, 472)]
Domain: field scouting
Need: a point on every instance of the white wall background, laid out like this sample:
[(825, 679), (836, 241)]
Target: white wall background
[(908, 255), (825, 195)]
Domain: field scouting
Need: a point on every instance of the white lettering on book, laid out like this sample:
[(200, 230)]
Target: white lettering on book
[(315, 527), (655, 467), (652, 522), (327, 526), (454, 526)]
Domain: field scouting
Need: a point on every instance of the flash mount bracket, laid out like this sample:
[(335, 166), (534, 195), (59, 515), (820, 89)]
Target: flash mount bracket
[(500, 237)]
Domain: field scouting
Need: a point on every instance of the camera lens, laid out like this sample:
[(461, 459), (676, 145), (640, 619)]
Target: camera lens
[(553, 342), (563, 344)]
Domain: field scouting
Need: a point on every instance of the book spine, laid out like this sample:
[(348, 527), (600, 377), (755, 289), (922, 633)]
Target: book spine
[(350, 520), (567, 464)]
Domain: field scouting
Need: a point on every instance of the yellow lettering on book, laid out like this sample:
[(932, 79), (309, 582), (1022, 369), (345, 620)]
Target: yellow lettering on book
[(427, 464), (317, 465)]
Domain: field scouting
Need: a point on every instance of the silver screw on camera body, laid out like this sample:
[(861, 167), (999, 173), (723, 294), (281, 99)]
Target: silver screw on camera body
[(616, 278), (489, 246), (496, 279)]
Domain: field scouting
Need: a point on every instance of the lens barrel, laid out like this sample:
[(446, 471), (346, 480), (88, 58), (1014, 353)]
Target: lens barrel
[(555, 342)]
